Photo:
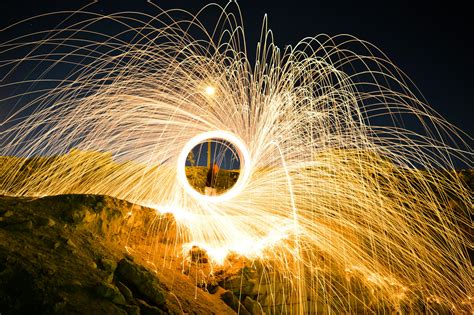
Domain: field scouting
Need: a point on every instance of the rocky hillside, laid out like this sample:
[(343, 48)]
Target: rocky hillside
[(88, 254), (84, 254)]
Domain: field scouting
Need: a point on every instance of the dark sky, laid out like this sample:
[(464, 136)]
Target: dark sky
[(430, 41)]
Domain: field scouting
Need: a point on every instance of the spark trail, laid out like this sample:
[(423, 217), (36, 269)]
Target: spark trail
[(337, 194)]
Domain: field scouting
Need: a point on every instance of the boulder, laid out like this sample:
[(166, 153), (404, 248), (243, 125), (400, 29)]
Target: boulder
[(239, 285), (131, 309), (146, 309), (141, 282), (252, 306), (230, 299), (126, 292), (108, 265), (110, 292)]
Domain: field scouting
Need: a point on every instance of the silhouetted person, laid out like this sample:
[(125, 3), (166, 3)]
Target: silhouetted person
[(211, 180)]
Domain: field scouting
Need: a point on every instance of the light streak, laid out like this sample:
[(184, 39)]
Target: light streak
[(325, 193), (245, 166)]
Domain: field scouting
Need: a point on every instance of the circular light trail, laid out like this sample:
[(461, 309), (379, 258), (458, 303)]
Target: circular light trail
[(244, 157)]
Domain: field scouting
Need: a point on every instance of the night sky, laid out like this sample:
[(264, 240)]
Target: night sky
[(429, 41), (223, 153)]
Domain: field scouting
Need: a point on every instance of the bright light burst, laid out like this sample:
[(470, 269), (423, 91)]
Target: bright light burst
[(335, 188), (210, 90)]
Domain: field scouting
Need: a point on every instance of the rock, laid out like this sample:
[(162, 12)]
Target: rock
[(212, 288), (239, 285), (108, 265), (71, 243), (126, 292), (147, 309), (249, 273), (131, 309), (128, 256), (252, 306), (198, 255), (46, 222), (211, 285), (230, 299), (109, 292), (118, 310), (265, 289), (109, 278), (141, 281), (77, 216)]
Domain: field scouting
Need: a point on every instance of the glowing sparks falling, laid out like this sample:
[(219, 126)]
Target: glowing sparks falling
[(326, 194)]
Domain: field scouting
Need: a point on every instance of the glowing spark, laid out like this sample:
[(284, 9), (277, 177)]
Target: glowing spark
[(210, 90)]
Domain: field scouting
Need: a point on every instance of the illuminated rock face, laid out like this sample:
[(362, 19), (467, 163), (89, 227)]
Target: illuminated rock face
[(66, 254), (53, 255), (141, 282)]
